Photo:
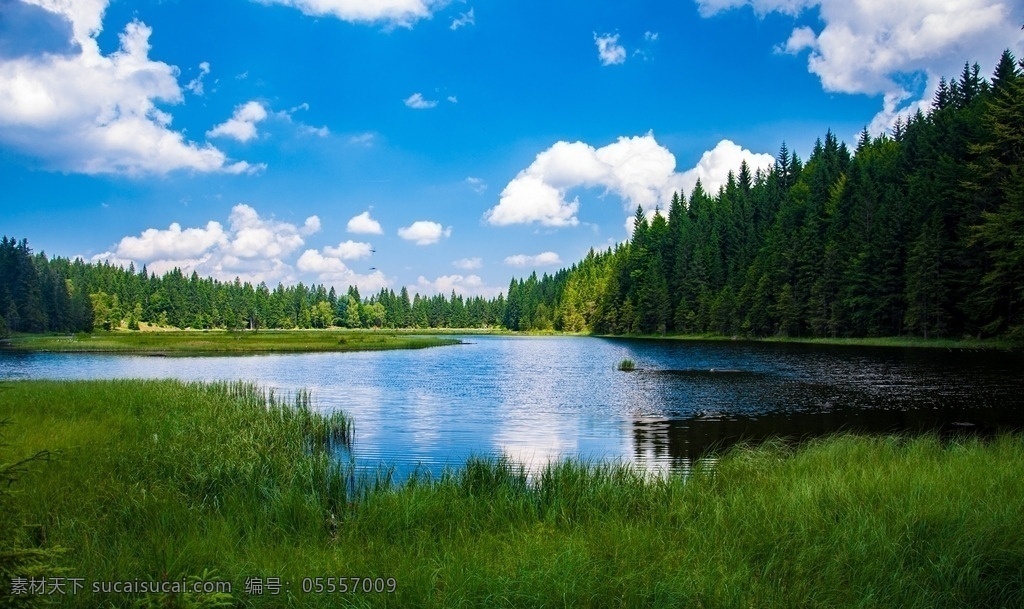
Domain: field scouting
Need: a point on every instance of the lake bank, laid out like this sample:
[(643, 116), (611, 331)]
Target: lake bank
[(162, 479), (984, 344), (162, 341), (977, 344), (215, 342)]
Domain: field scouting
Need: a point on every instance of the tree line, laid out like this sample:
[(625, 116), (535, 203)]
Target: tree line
[(917, 232), (40, 294)]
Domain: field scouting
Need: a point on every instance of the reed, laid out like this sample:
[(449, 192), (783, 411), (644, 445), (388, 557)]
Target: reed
[(163, 479)]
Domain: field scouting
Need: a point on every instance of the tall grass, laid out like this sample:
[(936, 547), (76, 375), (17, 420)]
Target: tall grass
[(189, 342), (164, 479)]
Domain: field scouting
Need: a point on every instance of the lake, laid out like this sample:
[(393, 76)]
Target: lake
[(541, 398)]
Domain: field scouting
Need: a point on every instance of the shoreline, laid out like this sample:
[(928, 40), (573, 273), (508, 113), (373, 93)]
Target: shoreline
[(167, 480)]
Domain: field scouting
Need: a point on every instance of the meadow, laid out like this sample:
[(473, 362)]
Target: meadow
[(167, 481), (220, 342)]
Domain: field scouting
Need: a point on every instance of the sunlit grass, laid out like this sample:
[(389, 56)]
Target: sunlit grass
[(187, 342), (164, 479), (880, 341)]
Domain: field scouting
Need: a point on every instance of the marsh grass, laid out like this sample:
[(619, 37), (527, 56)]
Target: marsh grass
[(164, 479), (188, 342), (627, 365)]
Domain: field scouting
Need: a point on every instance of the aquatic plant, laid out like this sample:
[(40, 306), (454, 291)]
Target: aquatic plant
[(164, 479)]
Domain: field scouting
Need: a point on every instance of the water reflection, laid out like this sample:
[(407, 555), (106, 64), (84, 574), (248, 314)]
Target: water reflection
[(540, 399)]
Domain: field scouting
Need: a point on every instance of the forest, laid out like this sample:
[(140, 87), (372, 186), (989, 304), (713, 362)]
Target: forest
[(918, 232)]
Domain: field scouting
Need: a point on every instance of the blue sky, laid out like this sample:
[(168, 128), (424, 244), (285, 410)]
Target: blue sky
[(437, 145)]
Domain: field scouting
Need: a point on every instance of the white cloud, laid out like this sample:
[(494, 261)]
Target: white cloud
[(288, 117), (416, 102), (424, 232), (317, 131), (401, 13), (87, 112), (477, 184), (544, 259), (453, 99), (637, 169), (350, 250), (714, 166), (471, 285), (255, 237), (365, 225), (528, 198), (609, 50), (363, 139), (872, 47), (331, 270), (242, 124), (196, 84), (463, 19), (651, 36), (252, 247), (708, 8), (155, 244), (468, 264)]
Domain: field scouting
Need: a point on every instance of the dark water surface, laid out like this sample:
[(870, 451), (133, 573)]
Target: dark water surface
[(541, 398)]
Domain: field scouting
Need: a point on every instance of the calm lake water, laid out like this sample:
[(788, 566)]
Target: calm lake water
[(541, 398)]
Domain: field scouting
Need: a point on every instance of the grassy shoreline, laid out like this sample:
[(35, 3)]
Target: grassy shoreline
[(192, 342), (905, 342), (166, 480), (221, 342)]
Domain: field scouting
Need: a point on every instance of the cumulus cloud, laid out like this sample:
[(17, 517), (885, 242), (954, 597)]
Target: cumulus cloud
[(463, 20), (242, 124), (714, 166), (86, 112), (256, 237), (417, 102), (424, 232), (173, 243), (470, 285), (332, 270), (873, 47), (544, 259), (401, 13), (468, 264), (365, 225), (637, 169), (350, 250), (609, 51), (252, 247), (26, 30)]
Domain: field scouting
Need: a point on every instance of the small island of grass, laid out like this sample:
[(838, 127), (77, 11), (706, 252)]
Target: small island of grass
[(219, 342)]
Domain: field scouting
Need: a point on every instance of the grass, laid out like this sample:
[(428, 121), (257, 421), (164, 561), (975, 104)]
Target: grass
[(880, 341), (189, 342), (165, 480), (627, 365)]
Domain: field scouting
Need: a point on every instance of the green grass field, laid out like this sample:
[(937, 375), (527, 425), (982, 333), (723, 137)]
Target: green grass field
[(879, 341), (164, 480), (189, 342)]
